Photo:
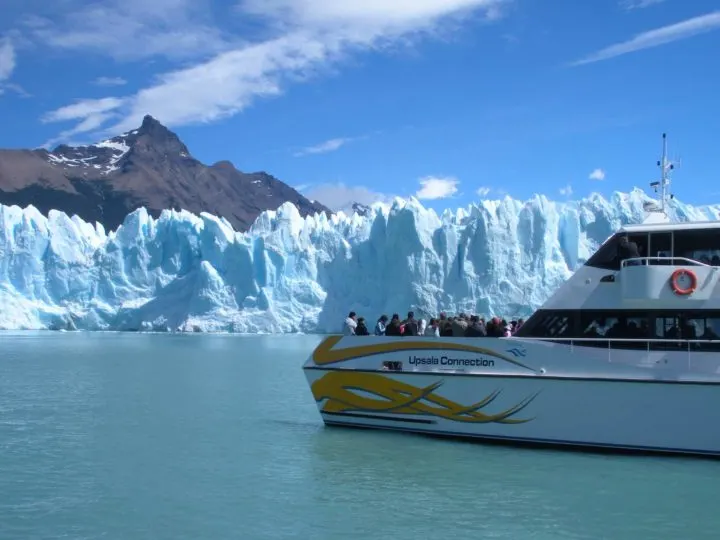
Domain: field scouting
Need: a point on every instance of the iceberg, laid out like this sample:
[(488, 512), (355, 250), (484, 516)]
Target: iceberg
[(184, 272)]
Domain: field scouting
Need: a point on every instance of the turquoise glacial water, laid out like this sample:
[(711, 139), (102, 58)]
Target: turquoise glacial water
[(122, 436)]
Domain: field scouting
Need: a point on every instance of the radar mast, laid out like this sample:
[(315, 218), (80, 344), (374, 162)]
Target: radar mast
[(664, 183)]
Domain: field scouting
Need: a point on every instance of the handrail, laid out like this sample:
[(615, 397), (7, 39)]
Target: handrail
[(686, 346), (684, 260)]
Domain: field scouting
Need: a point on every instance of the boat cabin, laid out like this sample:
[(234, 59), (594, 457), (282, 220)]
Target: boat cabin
[(640, 302), (659, 244)]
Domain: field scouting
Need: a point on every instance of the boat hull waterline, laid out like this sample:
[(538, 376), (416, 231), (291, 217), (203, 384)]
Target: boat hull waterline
[(499, 398)]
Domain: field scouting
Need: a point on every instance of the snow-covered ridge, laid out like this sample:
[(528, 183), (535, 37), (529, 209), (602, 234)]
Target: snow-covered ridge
[(289, 273), (103, 156)]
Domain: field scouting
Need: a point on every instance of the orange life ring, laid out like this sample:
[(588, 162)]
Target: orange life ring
[(675, 278)]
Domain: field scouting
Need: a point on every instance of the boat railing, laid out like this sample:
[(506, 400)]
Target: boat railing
[(661, 261), (648, 345)]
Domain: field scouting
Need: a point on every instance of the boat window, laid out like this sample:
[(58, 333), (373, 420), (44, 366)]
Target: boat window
[(661, 246), (614, 325), (607, 255), (666, 327), (548, 324), (392, 365), (641, 240), (704, 328), (675, 328), (711, 329), (698, 244), (670, 330)]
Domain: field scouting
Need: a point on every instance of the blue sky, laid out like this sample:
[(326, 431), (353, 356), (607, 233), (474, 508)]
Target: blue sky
[(449, 100)]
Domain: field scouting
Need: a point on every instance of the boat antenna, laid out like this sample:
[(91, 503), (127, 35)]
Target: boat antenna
[(664, 184)]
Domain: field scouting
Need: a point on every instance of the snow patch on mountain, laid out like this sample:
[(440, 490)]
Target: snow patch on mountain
[(288, 273), (104, 155)]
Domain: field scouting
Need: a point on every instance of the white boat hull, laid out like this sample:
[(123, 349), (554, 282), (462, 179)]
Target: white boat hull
[(648, 414)]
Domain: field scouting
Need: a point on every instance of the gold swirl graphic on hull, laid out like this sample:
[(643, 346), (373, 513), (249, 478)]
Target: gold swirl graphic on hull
[(340, 389), (326, 353)]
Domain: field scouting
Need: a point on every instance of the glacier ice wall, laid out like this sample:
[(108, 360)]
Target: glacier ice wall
[(289, 274)]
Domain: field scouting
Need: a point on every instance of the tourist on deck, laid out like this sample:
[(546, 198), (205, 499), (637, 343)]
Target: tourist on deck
[(422, 325), (411, 325), (380, 325), (459, 325), (628, 250), (507, 327), (433, 329), (495, 328), (393, 327), (445, 326), (361, 329), (350, 324), (476, 328)]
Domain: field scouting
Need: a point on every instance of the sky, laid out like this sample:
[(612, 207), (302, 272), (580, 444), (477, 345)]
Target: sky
[(451, 101)]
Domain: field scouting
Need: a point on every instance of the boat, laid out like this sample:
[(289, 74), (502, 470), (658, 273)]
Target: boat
[(625, 356)]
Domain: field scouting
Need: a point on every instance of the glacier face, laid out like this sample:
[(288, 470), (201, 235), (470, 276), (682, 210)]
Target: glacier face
[(293, 274)]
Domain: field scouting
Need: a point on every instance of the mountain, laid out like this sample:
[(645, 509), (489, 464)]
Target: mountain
[(289, 273), (148, 167)]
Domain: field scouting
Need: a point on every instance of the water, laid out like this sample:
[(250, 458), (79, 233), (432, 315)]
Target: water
[(120, 436)]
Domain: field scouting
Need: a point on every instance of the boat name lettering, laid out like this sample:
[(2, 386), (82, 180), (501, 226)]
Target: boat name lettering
[(449, 361)]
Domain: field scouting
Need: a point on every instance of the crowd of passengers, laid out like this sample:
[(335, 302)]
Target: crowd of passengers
[(461, 325)]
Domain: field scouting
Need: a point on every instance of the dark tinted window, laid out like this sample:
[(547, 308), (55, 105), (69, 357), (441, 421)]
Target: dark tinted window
[(614, 324), (660, 244), (549, 324), (671, 329), (700, 245), (641, 240), (392, 365), (607, 256)]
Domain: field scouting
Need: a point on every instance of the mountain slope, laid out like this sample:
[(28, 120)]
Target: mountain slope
[(148, 167)]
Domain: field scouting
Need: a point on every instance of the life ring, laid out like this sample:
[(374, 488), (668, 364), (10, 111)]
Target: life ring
[(675, 278)]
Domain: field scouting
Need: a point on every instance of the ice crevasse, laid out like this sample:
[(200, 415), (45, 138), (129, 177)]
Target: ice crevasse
[(183, 272)]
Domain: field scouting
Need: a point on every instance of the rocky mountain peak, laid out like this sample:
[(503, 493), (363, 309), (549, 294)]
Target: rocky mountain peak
[(224, 164), (160, 137), (108, 156), (149, 166)]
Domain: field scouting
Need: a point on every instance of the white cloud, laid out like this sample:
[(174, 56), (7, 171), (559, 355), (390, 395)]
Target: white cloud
[(597, 174), (433, 188), (365, 14), (110, 81), (8, 63), (566, 191), (92, 114), (338, 196), (324, 147), (483, 191), (638, 4), (7, 58), (132, 29), (309, 36), (657, 37), (83, 109)]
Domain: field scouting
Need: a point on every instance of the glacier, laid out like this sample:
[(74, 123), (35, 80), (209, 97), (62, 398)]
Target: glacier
[(190, 273)]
